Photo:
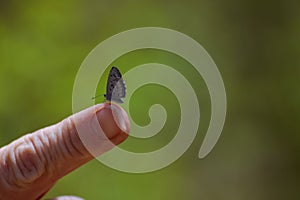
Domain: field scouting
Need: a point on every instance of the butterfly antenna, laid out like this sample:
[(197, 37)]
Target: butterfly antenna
[(97, 96)]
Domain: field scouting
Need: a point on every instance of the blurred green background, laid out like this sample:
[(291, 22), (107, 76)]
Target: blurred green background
[(256, 46)]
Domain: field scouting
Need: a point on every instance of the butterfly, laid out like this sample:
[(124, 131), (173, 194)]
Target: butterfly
[(115, 87)]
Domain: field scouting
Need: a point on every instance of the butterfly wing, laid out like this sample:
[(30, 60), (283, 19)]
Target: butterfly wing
[(115, 88), (119, 91)]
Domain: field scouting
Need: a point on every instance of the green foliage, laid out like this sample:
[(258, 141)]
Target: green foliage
[(255, 45)]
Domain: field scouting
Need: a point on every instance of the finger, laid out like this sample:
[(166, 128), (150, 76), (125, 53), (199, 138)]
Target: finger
[(31, 165)]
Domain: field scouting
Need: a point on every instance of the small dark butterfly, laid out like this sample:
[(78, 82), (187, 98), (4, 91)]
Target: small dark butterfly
[(115, 87)]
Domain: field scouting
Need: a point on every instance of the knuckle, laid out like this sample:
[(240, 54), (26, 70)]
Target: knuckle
[(23, 164), (39, 155), (70, 141)]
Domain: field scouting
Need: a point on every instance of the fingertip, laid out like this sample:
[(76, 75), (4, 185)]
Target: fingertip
[(114, 121), (102, 127)]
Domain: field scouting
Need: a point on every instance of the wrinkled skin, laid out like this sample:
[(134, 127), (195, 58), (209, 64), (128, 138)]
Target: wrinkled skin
[(31, 165)]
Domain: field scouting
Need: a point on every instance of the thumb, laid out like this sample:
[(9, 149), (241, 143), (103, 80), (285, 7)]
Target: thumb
[(31, 165)]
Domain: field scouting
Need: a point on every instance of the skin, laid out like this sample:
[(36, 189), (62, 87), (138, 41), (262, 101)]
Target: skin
[(30, 165)]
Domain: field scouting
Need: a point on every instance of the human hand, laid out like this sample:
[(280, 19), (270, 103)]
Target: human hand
[(31, 165)]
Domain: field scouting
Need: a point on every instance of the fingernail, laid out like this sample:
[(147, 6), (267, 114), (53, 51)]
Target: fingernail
[(121, 118), (113, 120)]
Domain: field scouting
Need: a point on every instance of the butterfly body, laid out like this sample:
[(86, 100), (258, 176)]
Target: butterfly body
[(115, 87)]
